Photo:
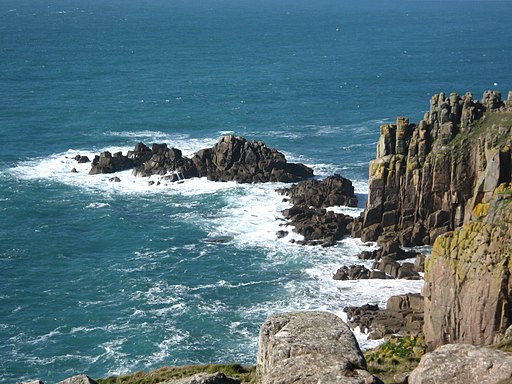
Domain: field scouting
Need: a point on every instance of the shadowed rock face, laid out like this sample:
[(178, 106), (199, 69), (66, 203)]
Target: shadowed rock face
[(233, 158), (310, 347), (463, 364), (428, 177)]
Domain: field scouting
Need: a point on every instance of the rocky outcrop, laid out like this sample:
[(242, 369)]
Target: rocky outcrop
[(235, 158), (309, 347), (232, 158), (463, 364), (428, 177), (403, 315), (468, 278), (308, 215), (318, 226), (331, 191)]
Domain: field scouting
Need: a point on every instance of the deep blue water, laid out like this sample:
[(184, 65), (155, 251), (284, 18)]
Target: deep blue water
[(105, 279)]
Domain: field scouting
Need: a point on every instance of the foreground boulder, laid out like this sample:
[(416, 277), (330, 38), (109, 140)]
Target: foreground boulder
[(79, 379), (205, 378), (310, 347), (463, 364)]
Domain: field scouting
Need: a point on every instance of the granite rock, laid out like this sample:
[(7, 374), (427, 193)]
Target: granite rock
[(310, 347), (463, 364)]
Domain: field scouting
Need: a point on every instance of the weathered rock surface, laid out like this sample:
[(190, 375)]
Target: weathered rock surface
[(309, 347), (468, 278), (205, 378), (403, 315), (463, 364), (428, 177), (231, 158), (331, 191), (79, 379)]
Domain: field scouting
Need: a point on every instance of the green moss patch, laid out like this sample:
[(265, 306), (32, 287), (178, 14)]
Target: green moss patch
[(246, 374), (398, 355)]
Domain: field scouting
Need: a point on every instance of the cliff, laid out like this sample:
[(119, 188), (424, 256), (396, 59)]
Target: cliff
[(446, 181), (428, 177), (468, 278)]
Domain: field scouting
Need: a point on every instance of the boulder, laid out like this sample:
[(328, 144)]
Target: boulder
[(463, 364), (205, 378), (79, 379), (309, 347), (31, 382)]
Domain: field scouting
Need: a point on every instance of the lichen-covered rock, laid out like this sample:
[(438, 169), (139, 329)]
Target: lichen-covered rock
[(428, 177), (468, 278), (310, 347), (463, 364)]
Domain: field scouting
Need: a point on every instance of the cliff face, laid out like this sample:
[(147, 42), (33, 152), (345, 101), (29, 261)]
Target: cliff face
[(428, 177), (468, 278), (447, 181)]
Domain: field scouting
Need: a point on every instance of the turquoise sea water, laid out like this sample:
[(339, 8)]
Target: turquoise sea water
[(104, 278)]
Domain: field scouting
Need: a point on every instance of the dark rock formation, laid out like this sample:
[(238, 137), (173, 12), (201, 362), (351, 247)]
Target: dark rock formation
[(463, 364), (308, 214), (468, 278), (354, 272), (232, 158), (403, 315), (428, 177), (318, 226), (331, 191), (309, 347), (106, 162)]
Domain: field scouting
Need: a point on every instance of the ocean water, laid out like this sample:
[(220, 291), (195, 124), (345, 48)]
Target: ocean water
[(106, 278)]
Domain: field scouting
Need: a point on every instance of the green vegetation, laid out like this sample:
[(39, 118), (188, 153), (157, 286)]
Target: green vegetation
[(398, 355), (246, 374)]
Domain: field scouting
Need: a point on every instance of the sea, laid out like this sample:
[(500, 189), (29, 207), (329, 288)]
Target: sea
[(107, 278)]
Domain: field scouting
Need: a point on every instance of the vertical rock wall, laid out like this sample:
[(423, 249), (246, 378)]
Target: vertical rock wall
[(468, 283), (423, 180)]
